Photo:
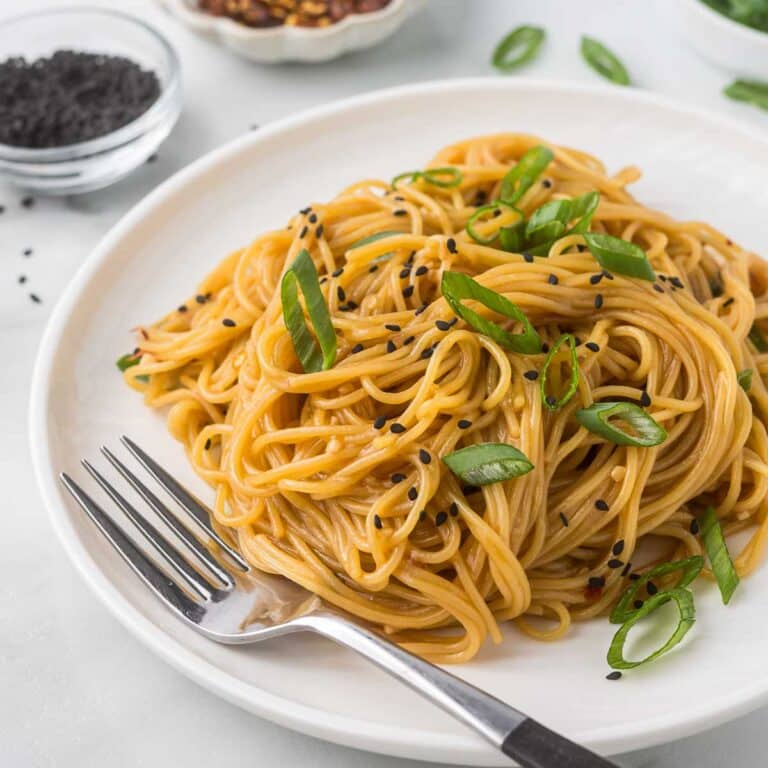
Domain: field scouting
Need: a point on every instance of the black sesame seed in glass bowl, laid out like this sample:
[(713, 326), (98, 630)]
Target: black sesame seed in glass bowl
[(86, 96)]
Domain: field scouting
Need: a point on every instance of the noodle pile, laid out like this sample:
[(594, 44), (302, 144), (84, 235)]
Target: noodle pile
[(370, 519)]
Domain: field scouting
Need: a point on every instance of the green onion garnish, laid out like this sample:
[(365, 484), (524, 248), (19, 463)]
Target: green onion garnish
[(548, 222), (758, 340), (619, 256), (457, 286), (512, 238), (717, 552), (475, 218), (684, 600), (374, 237), (487, 463), (302, 273), (690, 569), (751, 91), (603, 61), (584, 208), (548, 400), (520, 178), (645, 430), (432, 176), (517, 48), (128, 361), (745, 379)]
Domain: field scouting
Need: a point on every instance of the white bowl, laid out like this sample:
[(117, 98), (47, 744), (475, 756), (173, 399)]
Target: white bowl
[(734, 47), (289, 43)]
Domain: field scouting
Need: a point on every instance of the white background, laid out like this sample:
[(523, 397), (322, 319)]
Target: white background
[(75, 689)]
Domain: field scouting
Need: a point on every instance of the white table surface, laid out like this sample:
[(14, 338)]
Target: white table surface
[(75, 689)]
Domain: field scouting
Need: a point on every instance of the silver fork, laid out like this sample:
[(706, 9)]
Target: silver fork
[(210, 587)]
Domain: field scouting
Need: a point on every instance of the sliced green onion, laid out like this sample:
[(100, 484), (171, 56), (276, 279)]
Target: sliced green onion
[(512, 238), (619, 256), (647, 431), (548, 222), (480, 212), (456, 286), (684, 600), (374, 237), (603, 61), (432, 176), (758, 340), (573, 385), (517, 48), (520, 178), (302, 274), (745, 379), (690, 569), (487, 463), (717, 552), (584, 208), (751, 91), (128, 361)]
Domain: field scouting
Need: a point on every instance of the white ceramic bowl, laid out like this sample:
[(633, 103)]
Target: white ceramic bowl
[(287, 43), (734, 47)]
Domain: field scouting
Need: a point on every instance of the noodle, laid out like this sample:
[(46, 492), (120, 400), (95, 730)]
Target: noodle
[(310, 487)]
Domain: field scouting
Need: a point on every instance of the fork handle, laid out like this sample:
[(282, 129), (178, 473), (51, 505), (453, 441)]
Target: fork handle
[(510, 731)]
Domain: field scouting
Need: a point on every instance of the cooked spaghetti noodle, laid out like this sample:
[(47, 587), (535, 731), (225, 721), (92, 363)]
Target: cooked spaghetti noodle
[(317, 486)]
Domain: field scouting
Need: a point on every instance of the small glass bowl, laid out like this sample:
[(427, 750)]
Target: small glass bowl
[(98, 162)]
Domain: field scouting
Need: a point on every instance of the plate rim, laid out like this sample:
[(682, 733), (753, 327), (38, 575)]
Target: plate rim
[(400, 741)]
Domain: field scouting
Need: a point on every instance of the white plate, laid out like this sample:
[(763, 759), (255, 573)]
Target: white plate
[(695, 166)]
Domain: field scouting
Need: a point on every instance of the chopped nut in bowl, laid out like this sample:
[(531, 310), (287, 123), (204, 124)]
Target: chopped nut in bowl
[(294, 30)]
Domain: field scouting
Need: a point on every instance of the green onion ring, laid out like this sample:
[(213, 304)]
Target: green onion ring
[(520, 178), (574, 382), (517, 48), (595, 419), (758, 340), (717, 552), (603, 61), (744, 379), (487, 463), (619, 256), (432, 176), (470, 226)]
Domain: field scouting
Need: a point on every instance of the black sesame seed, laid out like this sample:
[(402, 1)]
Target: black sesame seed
[(645, 399), (694, 526), (182, 308), (391, 346), (531, 375), (405, 272), (577, 341), (22, 279), (607, 275), (422, 516), (663, 278), (464, 424), (357, 348), (598, 301), (496, 213), (424, 456), (392, 327), (651, 588), (638, 604), (422, 270), (228, 322), (634, 576), (596, 582), (563, 519), (349, 306), (618, 547), (313, 218), (35, 298), (615, 675), (546, 183), (592, 346), (200, 298), (658, 288), (399, 198), (412, 493), (528, 257), (450, 244), (27, 252), (408, 291), (397, 428), (373, 268), (552, 280), (454, 509), (595, 279), (443, 325), (728, 302), (551, 401), (427, 353), (303, 232), (379, 422), (409, 340), (337, 272), (207, 444), (323, 280), (602, 505), (398, 477), (676, 282), (545, 347), (440, 518), (627, 568), (400, 212), (319, 231), (305, 211), (420, 309), (341, 293), (615, 563), (468, 490), (27, 202), (377, 521), (410, 258)]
